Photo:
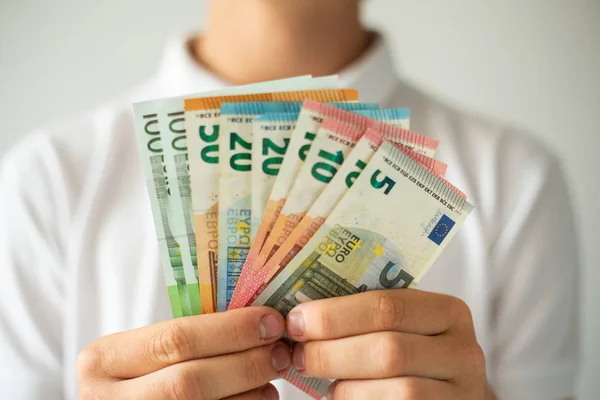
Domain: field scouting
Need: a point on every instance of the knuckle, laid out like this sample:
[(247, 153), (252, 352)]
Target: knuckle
[(325, 326), (171, 345), (462, 311), (182, 386), (388, 312), (253, 371), (89, 362), (342, 391), (410, 389), (317, 359), (88, 392), (236, 334), (475, 358), (391, 354)]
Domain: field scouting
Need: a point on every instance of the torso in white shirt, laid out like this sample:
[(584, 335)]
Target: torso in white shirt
[(90, 264)]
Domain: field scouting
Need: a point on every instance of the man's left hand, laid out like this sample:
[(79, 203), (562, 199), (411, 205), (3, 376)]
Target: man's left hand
[(401, 344)]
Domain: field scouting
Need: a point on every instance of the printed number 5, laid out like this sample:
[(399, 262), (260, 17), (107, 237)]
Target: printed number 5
[(378, 184)]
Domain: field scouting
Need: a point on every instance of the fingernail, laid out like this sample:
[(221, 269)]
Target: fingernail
[(280, 357), (269, 327), (269, 393), (331, 390), (299, 357), (295, 323)]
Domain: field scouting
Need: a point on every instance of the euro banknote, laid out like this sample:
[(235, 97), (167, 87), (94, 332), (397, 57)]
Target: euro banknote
[(176, 161), (235, 188), (274, 222), (148, 128), (361, 247), (152, 157), (207, 117), (328, 192), (271, 136)]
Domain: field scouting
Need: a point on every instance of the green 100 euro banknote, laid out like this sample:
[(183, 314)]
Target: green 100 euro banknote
[(153, 161), (385, 233)]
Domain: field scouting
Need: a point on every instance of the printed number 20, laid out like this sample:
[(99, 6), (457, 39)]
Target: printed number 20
[(271, 165), (237, 160)]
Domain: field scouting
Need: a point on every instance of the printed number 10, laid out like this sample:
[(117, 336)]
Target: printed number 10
[(323, 171)]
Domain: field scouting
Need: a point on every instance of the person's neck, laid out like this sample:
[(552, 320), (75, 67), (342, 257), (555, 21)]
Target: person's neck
[(259, 40)]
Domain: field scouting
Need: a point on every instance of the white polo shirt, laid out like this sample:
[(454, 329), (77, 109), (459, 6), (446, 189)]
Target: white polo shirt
[(79, 258)]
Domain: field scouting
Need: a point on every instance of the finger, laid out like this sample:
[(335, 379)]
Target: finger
[(380, 355), (411, 311), (211, 378), (145, 350), (267, 392), (409, 388)]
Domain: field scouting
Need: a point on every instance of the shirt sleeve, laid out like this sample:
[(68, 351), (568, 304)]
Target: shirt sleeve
[(535, 349), (32, 290)]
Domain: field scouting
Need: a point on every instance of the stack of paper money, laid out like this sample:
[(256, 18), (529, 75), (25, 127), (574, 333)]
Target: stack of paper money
[(289, 191)]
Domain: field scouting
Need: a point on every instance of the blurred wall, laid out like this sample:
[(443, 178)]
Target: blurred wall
[(531, 63)]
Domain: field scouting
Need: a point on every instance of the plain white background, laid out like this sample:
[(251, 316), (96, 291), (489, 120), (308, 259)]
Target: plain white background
[(531, 63)]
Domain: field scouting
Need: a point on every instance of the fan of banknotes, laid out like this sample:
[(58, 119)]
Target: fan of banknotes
[(288, 191)]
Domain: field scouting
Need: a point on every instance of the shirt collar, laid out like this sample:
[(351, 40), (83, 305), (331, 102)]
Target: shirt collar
[(373, 74), (180, 74)]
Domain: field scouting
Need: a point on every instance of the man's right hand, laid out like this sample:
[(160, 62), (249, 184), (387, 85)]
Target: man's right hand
[(225, 355)]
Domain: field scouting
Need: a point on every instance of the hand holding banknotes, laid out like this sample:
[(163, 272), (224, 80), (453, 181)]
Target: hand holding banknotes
[(405, 344), (230, 355), (318, 234)]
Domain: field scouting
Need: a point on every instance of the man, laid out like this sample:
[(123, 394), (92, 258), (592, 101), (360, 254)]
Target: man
[(79, 254)]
